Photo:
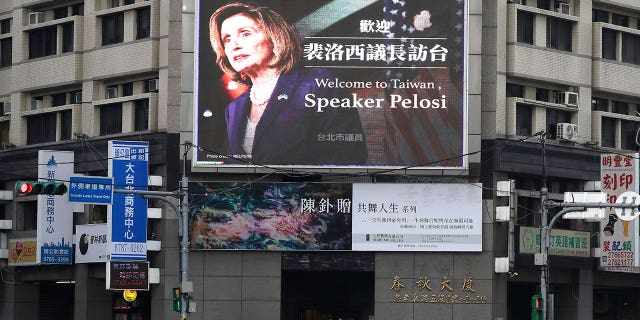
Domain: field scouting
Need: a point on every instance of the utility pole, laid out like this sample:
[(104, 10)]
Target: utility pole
[(544, 274)]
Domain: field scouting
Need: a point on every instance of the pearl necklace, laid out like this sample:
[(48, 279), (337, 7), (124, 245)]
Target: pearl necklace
[(261, 99)]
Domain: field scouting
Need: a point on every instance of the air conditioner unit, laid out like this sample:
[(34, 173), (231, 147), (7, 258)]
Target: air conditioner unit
[(568, 98), (6, 108), (76, 98), (36, 104), (36, 17), (567, 131), (112, 92), (564, 8), (153, 85)]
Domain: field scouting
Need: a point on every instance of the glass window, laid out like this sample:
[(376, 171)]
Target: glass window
[(143, 23), (113, 28), (599, 104), (77, 9), (111, 118), (600, 16), (515, 90), (629, 131), (65, 125), (67, 37), (5, 52), (5, 26), (525, 27), (620, 107), (554, 117), (60, 13), (608, 132), (559, 34), (630, 48), (43, 42), (127, 89), (41, 128), (542, 94), (141, 116), (620, 20), (524, 115), (58, 99), (609, 44), (126, 2), (544, 4)]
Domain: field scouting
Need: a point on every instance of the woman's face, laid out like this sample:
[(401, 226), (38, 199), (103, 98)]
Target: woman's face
[(246, 45)]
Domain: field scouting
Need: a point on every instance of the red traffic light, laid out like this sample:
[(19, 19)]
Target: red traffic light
[(28, 188), (25, 187)]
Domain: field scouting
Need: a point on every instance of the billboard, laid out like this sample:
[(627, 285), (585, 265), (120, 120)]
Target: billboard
[(91, 243), (55, 213), (22, 252), (618, 238), (127, 216), (372, 83), (335, 216)]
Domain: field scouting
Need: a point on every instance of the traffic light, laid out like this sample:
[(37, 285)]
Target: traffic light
[(536, 307), (177, 299), (28, 188)]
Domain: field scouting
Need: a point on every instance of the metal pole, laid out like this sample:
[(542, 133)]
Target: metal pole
[(184, 243), (544, 230)]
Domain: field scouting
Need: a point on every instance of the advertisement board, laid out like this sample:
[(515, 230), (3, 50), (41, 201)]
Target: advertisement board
[(127, 275), (91, 243), (55, 213), (618, 238), (127, 216), (22, 252), (336, 216), (372, 83), (568, 243)]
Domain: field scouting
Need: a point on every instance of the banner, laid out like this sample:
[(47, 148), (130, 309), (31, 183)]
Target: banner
[(91, 243), (22, 252), (618, 238), (562, 242), (336, 216), (127, 216), (55, 213), (374, 83)]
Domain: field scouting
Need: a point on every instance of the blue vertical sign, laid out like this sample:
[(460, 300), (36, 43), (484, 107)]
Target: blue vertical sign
[(127, 216)]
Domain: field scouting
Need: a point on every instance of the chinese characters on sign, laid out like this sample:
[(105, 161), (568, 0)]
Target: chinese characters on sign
[(618, 238), (426, 291), (127, 275), (562, 242)]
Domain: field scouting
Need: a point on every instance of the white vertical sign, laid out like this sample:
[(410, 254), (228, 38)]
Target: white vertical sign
[(618, 238), (55, 213)]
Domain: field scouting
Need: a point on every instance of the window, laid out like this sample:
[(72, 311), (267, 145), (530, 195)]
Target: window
[(620, 107), (544, 4), (559, 34), (608, 132), (126, 2), (42, 42), (629, 130), (143, 22), (524, 114), (111, 118), (115, 3), (525, 27), (67, 37), (630, 48), (515, 90), (112, 28), (600, 16), (609, 44), (127, 89), (60, 13), (5, 52), (29, 211), (554, 117), (542, 94), (77, 9), (619, 20), (41, 128), (598, 104), (141, 115), (65, 125), (5, 26), (58, 99)]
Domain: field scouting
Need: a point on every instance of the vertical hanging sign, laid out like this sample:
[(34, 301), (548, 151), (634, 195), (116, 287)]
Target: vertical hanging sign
[(127, 216), (618, 239), (55, 213)]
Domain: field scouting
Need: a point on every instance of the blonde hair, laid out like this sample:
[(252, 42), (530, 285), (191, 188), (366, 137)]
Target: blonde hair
[(285, 40)]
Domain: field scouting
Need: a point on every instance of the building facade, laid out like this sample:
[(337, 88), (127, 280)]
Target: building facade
[(549, 75)]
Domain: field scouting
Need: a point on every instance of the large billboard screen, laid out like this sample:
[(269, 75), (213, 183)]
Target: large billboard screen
[(336, 216), (367, 83)]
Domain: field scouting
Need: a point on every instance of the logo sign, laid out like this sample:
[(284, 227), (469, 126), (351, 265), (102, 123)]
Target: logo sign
[(129, 295), (563, 242), (91, 243), (55, 213), (127, 275), (92, 190), (380, 84), (22, 252), (619, 237), (127, 216)]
